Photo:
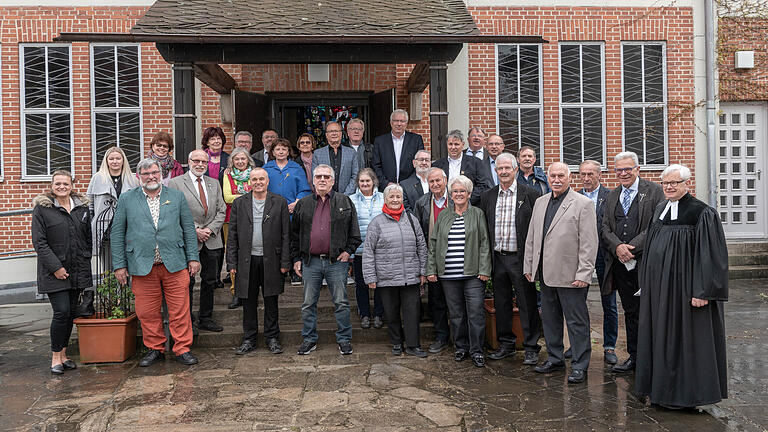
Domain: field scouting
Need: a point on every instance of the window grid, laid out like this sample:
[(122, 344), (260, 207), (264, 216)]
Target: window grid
[(646, 108), (32, 117)]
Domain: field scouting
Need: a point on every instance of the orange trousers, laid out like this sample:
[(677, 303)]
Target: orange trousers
[(148, 291)]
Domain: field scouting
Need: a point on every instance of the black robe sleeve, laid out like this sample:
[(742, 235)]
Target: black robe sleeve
[(710, 275)]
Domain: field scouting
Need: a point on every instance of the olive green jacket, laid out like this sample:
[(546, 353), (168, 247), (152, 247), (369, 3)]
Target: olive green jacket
[(477, 257)]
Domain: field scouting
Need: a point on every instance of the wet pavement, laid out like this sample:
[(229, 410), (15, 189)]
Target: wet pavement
[(370, 390)]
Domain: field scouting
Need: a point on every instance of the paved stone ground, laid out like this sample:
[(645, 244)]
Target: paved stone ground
[(371, 390)]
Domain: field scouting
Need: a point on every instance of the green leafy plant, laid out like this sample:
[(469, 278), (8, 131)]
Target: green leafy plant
[(113, 300)]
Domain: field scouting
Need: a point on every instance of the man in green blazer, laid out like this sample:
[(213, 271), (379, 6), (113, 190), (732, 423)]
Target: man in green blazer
[(153, 239)]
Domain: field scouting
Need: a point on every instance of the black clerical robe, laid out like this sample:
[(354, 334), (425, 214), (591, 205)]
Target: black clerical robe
[(681, 348)]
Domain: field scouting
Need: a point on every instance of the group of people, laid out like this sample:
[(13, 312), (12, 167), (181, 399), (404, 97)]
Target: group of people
[(408, 225)]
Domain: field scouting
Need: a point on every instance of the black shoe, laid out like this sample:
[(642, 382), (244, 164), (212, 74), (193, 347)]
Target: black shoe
[(152, 357), (227, 280), (502, 352), (549, 367), (416, 352), (365, 322), (69, 364), (274, 346), (577, 376), (57, 369), (460, 356), (345, 348), (531, 358), (295, 279), (438, 346), (568, 354), (377, 322), (246, 347), (186, 359), (210, 325), (627, 366), (236, 303), (610, 357), (307, 347), (397, 349), (478, 360)]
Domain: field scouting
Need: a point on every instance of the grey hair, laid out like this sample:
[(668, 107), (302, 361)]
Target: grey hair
[(627, 155), (594, 163), (422, 151), (333, 172), (456, 134), (464, 181), (559, 164), (333, 122), (236, 151), (685, 173), (506, 157), (356, 120), (399, 111), (145, 164), (394, 187), (246, 133), (370, 173), (433, 169), (477, 128)]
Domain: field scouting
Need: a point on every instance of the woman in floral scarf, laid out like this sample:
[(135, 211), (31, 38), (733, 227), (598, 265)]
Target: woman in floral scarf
[(161, 150)]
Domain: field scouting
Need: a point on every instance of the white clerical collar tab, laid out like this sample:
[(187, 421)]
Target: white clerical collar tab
[(671, 206)]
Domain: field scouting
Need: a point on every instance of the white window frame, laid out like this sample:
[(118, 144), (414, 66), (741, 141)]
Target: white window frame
[(520, 106), (96, 110), (25, 111), (664, 104), (582, 105)]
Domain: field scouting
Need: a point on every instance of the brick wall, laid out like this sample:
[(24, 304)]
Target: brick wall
[(742, 34)]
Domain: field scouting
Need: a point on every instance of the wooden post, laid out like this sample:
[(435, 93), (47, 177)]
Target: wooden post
[(438, 108), (185, 136)]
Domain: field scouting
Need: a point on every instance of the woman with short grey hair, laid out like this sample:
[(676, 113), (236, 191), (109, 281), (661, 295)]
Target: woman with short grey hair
[(394, 263)]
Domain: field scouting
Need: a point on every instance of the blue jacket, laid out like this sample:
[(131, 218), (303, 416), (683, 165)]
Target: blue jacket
[(289, 182), (537, 182), (366, 213), (134, 235)]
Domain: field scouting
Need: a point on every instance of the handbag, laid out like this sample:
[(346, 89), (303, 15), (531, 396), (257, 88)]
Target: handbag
[(84, 306)]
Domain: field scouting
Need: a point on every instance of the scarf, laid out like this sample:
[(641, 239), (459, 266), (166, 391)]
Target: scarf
[(167, 163), (210, 153), (394, 213), (241, 179)]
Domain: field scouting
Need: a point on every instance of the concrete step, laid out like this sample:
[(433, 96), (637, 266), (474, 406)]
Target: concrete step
[(740, 248), (748, 272), (287, 314), (756, 259)]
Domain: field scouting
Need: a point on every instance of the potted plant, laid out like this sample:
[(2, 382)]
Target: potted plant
[(109, 335), (491, 337)]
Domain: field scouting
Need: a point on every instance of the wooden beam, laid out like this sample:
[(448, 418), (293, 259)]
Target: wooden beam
[(419, 78), (185, 135), (215, 77), (438, 108)]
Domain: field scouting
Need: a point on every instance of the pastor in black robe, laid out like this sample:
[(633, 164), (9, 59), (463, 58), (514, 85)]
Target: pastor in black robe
[(681, 348)]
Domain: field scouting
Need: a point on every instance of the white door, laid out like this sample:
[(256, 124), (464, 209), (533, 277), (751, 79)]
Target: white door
[(742, 144)]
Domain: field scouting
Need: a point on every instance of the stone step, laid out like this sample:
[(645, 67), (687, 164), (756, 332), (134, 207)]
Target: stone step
[(287, 314), (292, 294), (756, 259), (740, 248), (748, 272)]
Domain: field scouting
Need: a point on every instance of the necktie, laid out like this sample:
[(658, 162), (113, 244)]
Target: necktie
[(626, 201), (202, 195)]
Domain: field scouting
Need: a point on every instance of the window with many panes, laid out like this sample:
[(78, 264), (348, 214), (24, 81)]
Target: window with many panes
[(46, 110), (582, 102), (644, 98), (518, 96), (116, 101)]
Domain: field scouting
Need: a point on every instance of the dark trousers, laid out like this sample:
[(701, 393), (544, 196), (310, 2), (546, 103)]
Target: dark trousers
[(438, 310), (625, 283), (406, 297), (63, 303), (508, 281), (610, 313), (251, 305), (465, 300), (362, 292), (571, 302), (209, 272)]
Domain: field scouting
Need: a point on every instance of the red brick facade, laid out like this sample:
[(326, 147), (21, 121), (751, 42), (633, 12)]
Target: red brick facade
[(743, 34)]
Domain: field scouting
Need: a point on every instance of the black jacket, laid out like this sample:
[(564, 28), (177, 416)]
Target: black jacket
[(525, 199), (383, 161), (422, 209), (62, 239), (412, 191), (345, 233), (472, 168)]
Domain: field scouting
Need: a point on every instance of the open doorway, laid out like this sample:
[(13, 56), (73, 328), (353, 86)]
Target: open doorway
[(311, 119)]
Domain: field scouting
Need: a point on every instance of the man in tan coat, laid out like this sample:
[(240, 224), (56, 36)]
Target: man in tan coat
[(560, 252)]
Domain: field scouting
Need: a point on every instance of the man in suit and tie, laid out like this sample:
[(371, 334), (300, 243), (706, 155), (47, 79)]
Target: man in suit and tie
[(342, 159), (589, 173), (393, 152), (508, 209), (153, 239), (364, 150), (476, 140), (268, 137), (493, 148), (457, 163), (206, 202), (560, 251), (628, 212), (416, 185)]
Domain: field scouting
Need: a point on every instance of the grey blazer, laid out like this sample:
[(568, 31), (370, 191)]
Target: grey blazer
[(216, 208), (349, 167)]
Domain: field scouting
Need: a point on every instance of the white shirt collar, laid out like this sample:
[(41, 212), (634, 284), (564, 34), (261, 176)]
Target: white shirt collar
[(194, 177), (634, 186), (671, 206)]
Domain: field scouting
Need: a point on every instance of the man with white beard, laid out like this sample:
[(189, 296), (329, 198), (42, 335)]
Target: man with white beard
[(416, 185)]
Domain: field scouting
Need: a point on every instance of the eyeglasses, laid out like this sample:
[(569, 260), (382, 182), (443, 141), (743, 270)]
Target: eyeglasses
[(673, 183), (624, 170), (149, 174), (399, 121), (323, 176), (357, 129), (332, 131), (162, 145), (198, 161), (459, 191), (422, 160)]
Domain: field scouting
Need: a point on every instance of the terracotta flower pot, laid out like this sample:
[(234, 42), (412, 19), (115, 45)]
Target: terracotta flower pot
[(491, 337), (106, 340)]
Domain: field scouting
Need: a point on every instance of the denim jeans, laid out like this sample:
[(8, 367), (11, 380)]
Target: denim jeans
[(465, 299), (610, 321), (363, 294), (335, 273)]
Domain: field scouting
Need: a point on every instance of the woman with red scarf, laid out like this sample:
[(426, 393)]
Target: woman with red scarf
[(161, 150), (394, 263)]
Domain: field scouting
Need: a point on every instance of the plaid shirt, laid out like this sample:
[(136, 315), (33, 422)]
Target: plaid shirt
[(506, 237), (154, 210)]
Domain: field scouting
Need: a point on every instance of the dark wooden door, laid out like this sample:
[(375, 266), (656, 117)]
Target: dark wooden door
[(380, 106), (252, 112)]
